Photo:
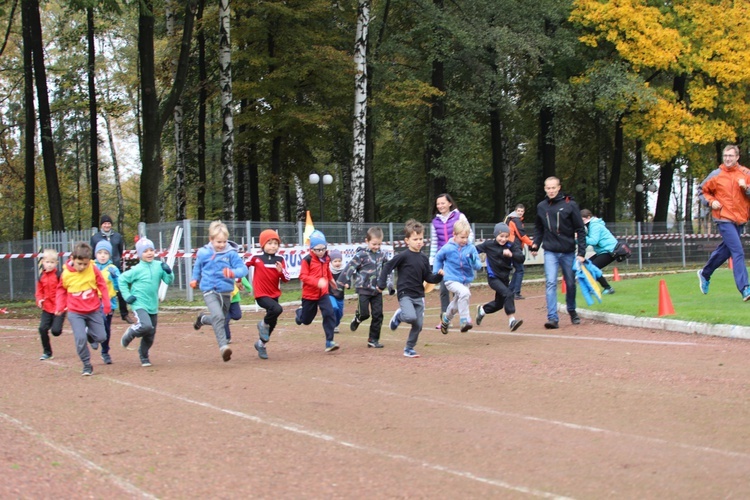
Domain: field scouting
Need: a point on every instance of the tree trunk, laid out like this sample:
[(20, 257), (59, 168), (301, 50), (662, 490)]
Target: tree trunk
[(156, 114), (45, 120), (498, 162), (546, 147), (610, 213), (29, 136), (227, 127), (180, 155), (666, 170), (640, 197), (94, 133), (202, 99), (116, 172), (275, 185), (357, 205)]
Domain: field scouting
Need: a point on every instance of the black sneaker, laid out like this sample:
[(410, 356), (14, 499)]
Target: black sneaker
[(126, 339), (574, 318), (480, 315), (296, 316), (551, 325), (518, 296), (106, 358), (354, 324), (515, 324), (198, 322), (374, 343)]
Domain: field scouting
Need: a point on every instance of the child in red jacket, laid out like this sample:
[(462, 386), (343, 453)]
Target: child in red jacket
[(316, 277), (268, 269), (46, 291), (83, 292)]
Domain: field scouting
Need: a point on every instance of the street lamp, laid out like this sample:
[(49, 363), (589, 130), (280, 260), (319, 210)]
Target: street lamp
[(316, 179), (641, 200)]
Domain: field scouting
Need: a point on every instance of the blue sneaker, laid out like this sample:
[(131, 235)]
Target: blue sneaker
[(45, 357), (608, 291), (395, 319), (702, 282), (331, 346), (264, 331), (410, 353), (261, 348), (746, 294)]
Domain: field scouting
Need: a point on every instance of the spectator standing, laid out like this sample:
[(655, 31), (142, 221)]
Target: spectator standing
[(442, 231), (726, 191), (106, 233), (559, 229), (514, 221)]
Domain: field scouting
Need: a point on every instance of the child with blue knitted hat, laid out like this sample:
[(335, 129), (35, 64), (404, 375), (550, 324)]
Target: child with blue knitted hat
[(316, 278), (111, 275)]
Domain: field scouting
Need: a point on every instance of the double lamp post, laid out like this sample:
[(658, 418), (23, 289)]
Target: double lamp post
[(320, 181)]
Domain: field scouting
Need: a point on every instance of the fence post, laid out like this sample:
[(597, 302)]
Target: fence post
[(640, 245), (390, 234), (349, 233), (682, 232), (187, 261), (10, 272), (301, 232)]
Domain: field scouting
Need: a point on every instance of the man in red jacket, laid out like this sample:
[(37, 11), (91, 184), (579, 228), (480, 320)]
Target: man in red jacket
[(726, 191)]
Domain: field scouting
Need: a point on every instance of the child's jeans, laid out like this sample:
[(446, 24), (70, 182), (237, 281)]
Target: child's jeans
[(306, 314), (108, 329), (234, 313)]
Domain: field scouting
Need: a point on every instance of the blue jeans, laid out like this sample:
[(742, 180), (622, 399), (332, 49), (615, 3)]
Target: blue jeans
[(730, 246), (553, 261), (517, 278)]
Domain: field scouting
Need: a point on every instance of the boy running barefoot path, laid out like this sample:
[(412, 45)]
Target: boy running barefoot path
[(413, 269), (46, 298), (458, 259), (139, 287), (216, 267), (501, 254), (269, 270), (79, 291)]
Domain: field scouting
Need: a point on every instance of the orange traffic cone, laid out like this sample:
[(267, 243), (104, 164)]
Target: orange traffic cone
[(731, 264), (615, 275), (563, 288), (665, 302)]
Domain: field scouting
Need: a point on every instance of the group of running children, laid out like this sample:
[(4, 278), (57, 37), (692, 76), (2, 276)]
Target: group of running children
[(86, 290)]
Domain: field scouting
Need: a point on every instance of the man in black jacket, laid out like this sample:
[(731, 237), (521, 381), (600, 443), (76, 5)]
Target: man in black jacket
[(559, 229), (115, 239)]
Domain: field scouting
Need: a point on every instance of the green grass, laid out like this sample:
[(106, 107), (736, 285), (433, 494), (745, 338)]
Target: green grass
[(640, 297)]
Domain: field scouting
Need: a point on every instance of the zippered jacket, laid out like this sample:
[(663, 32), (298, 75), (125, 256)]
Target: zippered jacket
[(559, 226), (209, 267), (458, 263), (80, 292), (312, 269), (722, 185), (142, 281)]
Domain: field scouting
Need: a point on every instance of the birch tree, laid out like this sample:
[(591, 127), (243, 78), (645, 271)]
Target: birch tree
[(179, 131), (357, 213), (227, 126)]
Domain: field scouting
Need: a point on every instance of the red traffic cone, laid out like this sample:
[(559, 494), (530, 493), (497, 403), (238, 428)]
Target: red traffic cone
[(665, 302), (563, 287), (616, 275), (731, 264)]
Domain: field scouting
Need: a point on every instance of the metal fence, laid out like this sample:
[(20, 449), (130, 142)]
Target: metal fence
[(653, 246)]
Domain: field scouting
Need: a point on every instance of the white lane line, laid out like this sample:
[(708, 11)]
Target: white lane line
[(298, 429), (599, 339), (122, 483)]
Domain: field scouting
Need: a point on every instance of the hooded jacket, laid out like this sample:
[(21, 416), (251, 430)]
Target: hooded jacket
[(559, 226), (313, 268), (46, 290), (458, 263), (517, 229), (367, 266), (142, 281), (722, 185), (498, 265), (599, 237), (209, 267)]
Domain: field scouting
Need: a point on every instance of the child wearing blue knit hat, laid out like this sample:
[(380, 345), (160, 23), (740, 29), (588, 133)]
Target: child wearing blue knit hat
[(111, 275), (316, 278)]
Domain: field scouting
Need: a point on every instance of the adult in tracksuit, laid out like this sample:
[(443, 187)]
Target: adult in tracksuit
[(559, 229), (726, 191)]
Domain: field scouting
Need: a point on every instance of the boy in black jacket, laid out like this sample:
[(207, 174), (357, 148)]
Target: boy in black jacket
[(501, 255), (413, 270)]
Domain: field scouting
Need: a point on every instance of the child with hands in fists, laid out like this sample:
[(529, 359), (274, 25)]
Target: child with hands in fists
[(139, 287), (216, 267), (315, 275)]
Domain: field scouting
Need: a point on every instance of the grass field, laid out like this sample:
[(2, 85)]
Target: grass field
[(640, 297)]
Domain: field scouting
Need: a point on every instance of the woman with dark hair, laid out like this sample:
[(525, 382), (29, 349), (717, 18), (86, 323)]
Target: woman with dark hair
[(604, 243), (447, 214)]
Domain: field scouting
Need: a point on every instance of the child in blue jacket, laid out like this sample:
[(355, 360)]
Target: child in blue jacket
[(459, 260), (216, 267)]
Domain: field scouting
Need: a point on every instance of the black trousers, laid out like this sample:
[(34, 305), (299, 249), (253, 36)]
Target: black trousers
[(371, 305)]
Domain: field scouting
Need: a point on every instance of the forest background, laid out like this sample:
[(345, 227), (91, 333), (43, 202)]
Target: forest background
[(157, 110)]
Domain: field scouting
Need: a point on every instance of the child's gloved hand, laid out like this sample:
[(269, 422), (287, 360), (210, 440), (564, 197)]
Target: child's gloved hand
[(194, 284), (166, 268), (131, 299), (228, 273)]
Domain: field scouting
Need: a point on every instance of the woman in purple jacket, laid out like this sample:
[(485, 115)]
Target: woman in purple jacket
[(442, 231)]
